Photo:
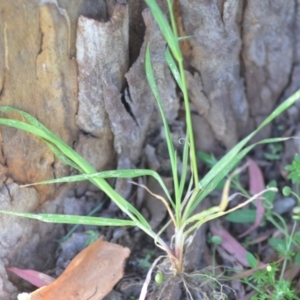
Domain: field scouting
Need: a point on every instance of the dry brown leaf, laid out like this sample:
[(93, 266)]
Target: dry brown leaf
[(91, 274), (291, 272), (36, 278), (229, 244), (256, 185)]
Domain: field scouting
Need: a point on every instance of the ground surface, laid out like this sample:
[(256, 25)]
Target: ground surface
[(202, 256)]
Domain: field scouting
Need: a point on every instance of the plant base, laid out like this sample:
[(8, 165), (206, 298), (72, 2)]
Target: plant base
[(199, 285)]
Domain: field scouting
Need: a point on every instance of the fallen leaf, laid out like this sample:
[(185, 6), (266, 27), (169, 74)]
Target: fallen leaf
[(291, 272), (91, 274), (261, 237), (249, 296), (256, 185), (36, 278), (230, 244)]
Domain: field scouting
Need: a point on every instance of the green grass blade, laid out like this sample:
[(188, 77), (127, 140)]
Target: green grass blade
[(63, 158), (221, 168), (242, 216), (173, 67), (72, 219), (172, 17), (212, 213), (232, 153), (172, 154), (108, 174), (182, 38), (185, 160), (165, 28), (42, 132), (30, 119), (229, 167), (90, 214), (38, 129)]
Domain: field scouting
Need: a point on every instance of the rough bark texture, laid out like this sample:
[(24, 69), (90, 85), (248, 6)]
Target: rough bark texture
[(78, 66)]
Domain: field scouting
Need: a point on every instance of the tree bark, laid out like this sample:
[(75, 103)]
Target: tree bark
[(78, 67)]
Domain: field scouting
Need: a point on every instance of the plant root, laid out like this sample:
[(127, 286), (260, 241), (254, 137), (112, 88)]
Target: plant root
[(190, 286)]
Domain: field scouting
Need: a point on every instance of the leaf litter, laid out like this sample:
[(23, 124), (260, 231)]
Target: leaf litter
[(90, 275)]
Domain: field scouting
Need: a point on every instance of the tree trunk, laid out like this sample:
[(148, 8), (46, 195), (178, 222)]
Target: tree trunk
[(78, 67)]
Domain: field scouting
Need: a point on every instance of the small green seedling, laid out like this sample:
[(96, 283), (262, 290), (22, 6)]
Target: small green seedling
[(274, 152), (145, 263), (294, 169), (266, 283), (267, 286)]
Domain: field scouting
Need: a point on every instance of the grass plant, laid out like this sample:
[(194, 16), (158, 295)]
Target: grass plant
[(182, 204)]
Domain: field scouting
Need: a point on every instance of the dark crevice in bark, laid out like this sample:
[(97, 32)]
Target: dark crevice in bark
[(127, 105)]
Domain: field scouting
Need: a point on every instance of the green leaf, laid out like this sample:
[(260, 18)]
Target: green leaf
[(208, 158), (72, 219), (108, 174), (182, 38), (173, 68), (274, 152), (297, 258), (270, 195), (296, 239), (172, 153), (63, 158), (42, 132), (225, 168), (271, 156), (230, 160), (252, 261), (242, 216), (277, 244), (32, 120), (165, 29), (216, 240), (294, 169), (185, 158)]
